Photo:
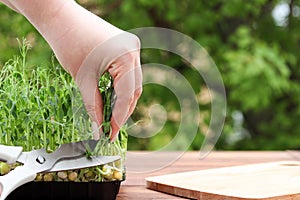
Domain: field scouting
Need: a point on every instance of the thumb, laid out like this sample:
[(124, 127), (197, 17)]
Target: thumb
[(93, 104)]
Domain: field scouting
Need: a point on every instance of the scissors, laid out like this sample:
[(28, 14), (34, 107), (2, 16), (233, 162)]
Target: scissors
[(65, 157)]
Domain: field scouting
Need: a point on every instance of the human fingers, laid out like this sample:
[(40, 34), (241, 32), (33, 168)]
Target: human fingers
[(123, 73), (117, 56), (93, 104), (138, 86)]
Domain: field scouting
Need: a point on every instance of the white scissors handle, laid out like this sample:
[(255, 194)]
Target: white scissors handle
[(10, 153), (15, 178)]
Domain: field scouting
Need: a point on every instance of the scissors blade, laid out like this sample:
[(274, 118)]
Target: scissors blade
[(83, 162), (72, 149), (66, 157)]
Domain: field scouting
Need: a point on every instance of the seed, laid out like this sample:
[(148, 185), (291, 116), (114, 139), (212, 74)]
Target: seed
[(108, 174), (48, 177), (89, 175), (39, 177), (62, 175), (72, 176), (117, 175), (4, 168)]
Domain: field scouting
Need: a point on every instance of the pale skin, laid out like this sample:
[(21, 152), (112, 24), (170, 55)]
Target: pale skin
[(86, 46)]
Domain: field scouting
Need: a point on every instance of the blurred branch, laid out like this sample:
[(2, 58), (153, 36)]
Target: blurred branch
[(157, 19), (113, 6), (103, 9), (290, 17)]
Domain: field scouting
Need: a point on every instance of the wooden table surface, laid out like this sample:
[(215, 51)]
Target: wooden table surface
[(134, 187)]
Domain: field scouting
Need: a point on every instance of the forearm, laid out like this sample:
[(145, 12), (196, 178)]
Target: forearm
[(41, 14), (8, 4), (64, 24)]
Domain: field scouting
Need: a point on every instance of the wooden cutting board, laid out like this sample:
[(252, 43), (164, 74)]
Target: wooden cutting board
[(271, 181)]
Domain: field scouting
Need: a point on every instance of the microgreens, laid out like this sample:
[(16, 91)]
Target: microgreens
[(40, 108)]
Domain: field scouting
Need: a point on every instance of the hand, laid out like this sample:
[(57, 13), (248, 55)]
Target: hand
[(120, 56)]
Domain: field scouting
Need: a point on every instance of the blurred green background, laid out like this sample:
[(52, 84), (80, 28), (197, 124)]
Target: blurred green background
[(255, 45)]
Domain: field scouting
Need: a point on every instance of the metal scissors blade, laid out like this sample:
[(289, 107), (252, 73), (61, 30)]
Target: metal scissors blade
[(83, 162), (37, 161)]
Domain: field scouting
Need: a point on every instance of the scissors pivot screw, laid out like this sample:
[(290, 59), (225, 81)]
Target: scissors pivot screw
[(40, 159)]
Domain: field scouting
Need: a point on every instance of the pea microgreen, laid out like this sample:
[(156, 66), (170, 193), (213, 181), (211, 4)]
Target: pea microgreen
[(39, 109)]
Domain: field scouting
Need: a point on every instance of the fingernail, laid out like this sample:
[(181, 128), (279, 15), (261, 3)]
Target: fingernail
[(95, 131)]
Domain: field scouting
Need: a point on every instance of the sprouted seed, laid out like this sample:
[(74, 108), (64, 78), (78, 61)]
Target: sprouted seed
[(62, 175), (72, 176), (117, 175), (4, 168), (48, 177), (37, 111)]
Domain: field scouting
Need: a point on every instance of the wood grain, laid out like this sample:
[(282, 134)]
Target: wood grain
[(134, 187), (268, 181)]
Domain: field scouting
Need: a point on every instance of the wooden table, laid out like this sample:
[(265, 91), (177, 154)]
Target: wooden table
[(134, 187)]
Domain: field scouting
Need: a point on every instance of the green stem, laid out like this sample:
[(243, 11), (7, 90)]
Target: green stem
[(45, 134), (28, 138)]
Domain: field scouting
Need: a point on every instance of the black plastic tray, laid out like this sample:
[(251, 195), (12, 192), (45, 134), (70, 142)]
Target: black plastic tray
[(67, 190)]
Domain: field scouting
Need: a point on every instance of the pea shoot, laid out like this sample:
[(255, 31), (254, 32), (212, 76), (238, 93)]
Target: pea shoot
[(37, 111)]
